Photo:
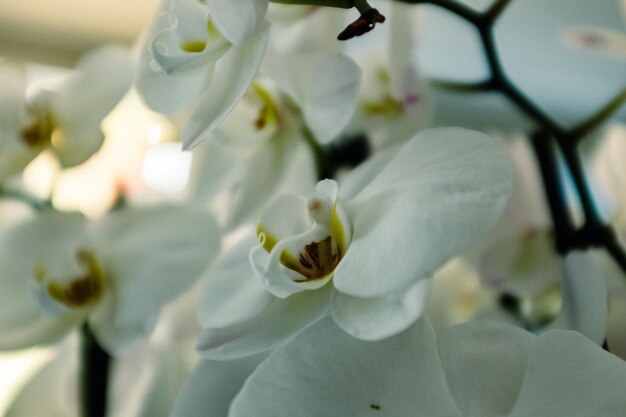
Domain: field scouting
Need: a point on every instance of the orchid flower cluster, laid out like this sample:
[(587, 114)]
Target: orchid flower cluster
[(332, 250)]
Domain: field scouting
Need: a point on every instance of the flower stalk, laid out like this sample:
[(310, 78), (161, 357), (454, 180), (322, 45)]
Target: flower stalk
[(94, 375)]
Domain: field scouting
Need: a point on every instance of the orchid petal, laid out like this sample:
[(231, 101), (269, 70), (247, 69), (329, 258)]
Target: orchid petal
[(237, 19), (282, 218), (152, 255), (586, 380), (26, 248), (117, 338), (280, 320), (380, 317), (234, 74), (231, 292), (449, 185), (213, 385), (343, 376), (81, 103), (584, 305), (325, 86), (484, 363)]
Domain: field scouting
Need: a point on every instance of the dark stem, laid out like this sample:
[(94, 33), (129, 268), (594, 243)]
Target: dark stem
[(545, 153), (94, 375)]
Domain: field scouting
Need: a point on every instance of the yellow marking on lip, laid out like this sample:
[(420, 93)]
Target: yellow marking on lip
[(82, 291), (193, 46), (266, 240)]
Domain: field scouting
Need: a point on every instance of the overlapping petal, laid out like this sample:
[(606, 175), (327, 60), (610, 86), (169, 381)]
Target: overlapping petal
[(277, 322), (103, 76), (343, 376), (449, 185), (233, 76), (584, 298), (238, 19)]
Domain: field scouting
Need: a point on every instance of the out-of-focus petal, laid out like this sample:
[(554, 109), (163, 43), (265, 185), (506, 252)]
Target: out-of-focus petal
[(238, 19), (78, 107), (584, 295), (154, 254), (569, 375), (27, 250)]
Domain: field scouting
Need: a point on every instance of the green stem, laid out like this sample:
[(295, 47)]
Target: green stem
[(322, 166), (94, 375)]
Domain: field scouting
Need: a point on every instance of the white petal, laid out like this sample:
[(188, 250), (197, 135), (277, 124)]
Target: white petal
[(167, 93), (237, 19), (263, 172), (325, 86), (280, 320), (23, 248), (153, 254), (584, 294), (442, 192), (283, 217), (234, 73), (380, 317), (484, 363), (231, 292), (81, 103), (568, 375), (212, 387), (52, 391), (340, 376), (119, 338)]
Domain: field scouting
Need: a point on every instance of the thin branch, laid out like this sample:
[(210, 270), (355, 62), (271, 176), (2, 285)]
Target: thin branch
[(587, 126), (462, 87)]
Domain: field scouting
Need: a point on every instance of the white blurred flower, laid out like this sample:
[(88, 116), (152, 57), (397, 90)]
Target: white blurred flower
[(61, 270), (481, 369), (66, 119), (378, 244)]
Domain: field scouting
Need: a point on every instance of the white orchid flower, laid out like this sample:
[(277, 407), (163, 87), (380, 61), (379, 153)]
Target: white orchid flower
[(202, 52), (61, 270), (366, 255), (66, 119), (481, 369)]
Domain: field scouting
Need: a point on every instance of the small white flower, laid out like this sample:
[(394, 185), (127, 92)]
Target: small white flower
[(202, 52)]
